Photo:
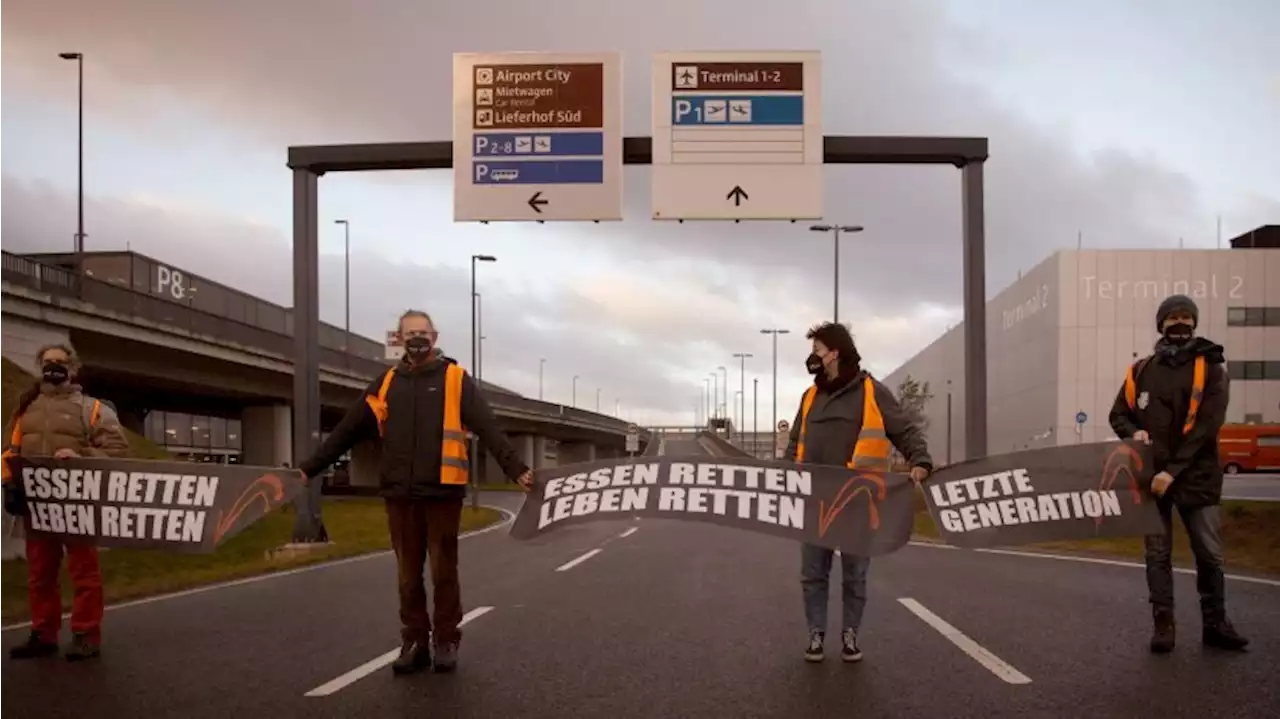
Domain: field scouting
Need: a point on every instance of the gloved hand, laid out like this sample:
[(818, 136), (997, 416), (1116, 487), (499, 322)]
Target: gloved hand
[(15, 500)]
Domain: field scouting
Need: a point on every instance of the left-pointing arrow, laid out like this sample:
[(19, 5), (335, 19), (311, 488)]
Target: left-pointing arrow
[(537, 203)]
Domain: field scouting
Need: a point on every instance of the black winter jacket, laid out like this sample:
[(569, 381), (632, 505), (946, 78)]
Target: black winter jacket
[(410, 466), (1163, 400)]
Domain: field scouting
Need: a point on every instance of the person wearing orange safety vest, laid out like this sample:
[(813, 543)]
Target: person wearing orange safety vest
[(846, 418), (1176, 402), (55, 419), (421, 411)]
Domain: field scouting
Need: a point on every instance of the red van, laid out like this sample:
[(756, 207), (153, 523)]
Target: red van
[(1249, 448)]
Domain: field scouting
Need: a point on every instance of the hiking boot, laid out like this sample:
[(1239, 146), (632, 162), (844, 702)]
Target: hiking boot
[(849, 650), (813, 653), (33, 648), (1162, 638), (446, 657), (81, 648), (1223, 636), (414, 657)]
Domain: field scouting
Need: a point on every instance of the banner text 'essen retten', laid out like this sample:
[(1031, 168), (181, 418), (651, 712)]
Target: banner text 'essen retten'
[(79, 492), (764, 494)]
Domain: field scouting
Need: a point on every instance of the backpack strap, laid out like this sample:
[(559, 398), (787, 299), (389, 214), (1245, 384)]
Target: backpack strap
[(1131, 381)]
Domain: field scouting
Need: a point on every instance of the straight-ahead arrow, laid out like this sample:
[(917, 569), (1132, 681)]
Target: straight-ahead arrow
[(536, 203), (737, 194)]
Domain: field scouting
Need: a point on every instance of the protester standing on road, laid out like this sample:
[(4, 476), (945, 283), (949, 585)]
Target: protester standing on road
[(1176, 402), (54, 418), (422, 410), (846, 418)]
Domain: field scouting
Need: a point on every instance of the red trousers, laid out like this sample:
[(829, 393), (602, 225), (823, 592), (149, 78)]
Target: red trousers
[(44, 562)]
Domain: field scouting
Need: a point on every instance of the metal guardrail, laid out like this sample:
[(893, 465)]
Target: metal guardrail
[(61, 282)]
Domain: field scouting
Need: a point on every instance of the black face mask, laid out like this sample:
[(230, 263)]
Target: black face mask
[(418, 346), (813, 364), (1179, 333), (55, 372)]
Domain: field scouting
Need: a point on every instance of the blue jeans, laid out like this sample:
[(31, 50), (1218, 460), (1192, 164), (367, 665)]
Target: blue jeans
[(815, 573)]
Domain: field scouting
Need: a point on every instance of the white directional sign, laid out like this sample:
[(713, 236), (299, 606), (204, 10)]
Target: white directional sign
[(737, 136), (537, 136), (633, 438), (394, 346)]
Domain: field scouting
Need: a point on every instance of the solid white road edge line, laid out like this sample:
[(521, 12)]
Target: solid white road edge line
[(507, 518), (629, 532), (373, 665), (994, 664), (575, 562), (1094, 560)]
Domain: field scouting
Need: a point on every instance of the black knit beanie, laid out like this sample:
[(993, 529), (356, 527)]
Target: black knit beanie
[(1174, 304)]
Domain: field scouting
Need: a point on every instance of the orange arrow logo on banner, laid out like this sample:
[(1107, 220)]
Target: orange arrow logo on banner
[(269, 488), (870, 484)]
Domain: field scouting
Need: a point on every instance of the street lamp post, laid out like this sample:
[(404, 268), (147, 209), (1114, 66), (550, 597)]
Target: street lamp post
[(479, 336), (542, 364), (755, 417), (715, 396), (724, 408), (346, 280), (597, 400), (836, 229), (948, 423), (774, 421), (475, 349), (742, 388), (79, 58), (574, 402), (706, 398)]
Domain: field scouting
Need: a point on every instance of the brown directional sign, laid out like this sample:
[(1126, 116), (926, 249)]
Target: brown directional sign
[(703, 76), (532, 96)]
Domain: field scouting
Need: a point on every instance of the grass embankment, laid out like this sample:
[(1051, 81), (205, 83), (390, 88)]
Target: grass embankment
[(356, 525), (1250, 533)]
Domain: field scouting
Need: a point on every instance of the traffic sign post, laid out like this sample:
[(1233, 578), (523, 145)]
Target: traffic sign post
[(537, 136), (1081, 418), (633, 439), (737, 136)]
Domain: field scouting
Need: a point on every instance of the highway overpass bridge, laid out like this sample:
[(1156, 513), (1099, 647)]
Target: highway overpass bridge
[(156, 339)]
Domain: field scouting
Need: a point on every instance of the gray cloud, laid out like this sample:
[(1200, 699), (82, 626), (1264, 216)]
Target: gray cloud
[(320, 71)]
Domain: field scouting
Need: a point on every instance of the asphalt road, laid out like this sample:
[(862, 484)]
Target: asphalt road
[(670, 619), (1260, 487)]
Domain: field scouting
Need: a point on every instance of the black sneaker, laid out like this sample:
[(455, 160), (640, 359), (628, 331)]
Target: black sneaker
[(1224, 636), (414, 657), (1164, 632), (446, 657), (33, 648), (849, 650), (81, 648), (814, 651)]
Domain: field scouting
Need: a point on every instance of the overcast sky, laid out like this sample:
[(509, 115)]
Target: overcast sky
[(1133, 122)]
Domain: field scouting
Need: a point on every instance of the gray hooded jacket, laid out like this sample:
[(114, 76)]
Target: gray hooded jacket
[(835, 419)]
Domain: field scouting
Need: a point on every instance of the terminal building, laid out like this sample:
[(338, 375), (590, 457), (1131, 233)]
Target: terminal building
[(1060, 339)]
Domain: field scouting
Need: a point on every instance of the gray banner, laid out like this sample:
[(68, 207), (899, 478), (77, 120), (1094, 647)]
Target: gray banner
[(860, 513), (139, 504), (1081, 491)]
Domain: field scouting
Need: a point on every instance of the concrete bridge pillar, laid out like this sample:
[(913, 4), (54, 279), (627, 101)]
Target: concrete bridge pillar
[(546, 453), (363, 469), (267, 435)]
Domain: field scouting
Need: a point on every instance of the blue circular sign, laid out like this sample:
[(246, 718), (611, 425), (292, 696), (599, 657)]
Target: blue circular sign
[(1081, 417)]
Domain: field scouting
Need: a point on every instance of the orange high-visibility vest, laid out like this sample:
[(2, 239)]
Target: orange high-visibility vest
[(1197, 389), (15, 439), (873, 450), (455, 467)]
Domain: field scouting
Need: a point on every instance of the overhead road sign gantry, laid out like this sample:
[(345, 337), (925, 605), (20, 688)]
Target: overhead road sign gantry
[(541, 134), (737, 136)]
